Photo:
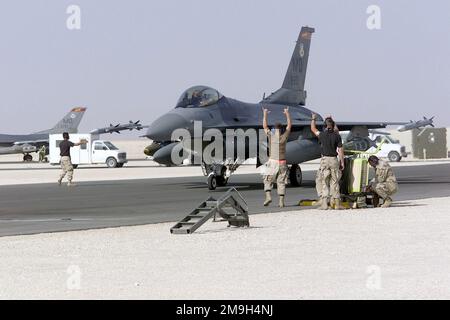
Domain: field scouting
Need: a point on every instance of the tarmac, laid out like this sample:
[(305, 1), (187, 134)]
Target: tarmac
[(37, 208)]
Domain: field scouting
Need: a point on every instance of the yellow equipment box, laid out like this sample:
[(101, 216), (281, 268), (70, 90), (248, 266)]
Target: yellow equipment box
[(356, 175)]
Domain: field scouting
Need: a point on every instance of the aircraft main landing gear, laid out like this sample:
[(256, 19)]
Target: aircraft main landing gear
[(295, 175), (27, 158)]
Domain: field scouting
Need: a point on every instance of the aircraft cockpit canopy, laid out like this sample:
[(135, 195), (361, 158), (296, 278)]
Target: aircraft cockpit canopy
[(198, 96)]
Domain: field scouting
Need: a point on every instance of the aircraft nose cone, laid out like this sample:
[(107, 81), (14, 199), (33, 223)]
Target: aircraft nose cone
[(161, 129)]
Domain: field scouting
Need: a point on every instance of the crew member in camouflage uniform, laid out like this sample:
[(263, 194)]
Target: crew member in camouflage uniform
[(384, 184), (42, 153), (319, 176), (329, 175), (66, 163), (276, 169)]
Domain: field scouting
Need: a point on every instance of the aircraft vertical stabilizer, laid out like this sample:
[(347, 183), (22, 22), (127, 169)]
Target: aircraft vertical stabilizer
[(293, 91), (69, 123)]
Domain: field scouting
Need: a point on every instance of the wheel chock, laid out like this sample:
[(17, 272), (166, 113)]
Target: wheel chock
[(307, 203)]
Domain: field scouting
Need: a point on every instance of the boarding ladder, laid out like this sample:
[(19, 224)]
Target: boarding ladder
[(211, 207)]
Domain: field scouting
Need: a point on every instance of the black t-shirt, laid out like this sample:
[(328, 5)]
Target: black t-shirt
[(65, 146), (329, 142)]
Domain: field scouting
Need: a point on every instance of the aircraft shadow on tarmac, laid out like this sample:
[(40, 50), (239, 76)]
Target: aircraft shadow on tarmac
[(240, 186)]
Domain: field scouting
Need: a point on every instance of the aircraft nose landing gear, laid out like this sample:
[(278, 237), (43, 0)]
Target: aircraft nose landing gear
[(212, 182), (218, 173)]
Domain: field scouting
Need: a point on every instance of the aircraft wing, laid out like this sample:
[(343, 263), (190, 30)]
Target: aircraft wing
[(344, 126), (300, 124), (31, 142)]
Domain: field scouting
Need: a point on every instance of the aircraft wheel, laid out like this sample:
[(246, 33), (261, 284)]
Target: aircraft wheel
[(28, 158), (221, 181), (212, 182), (295, 175), (394, 156)]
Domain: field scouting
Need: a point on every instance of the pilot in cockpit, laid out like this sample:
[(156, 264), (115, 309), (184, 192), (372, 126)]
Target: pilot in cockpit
[(196, 98)]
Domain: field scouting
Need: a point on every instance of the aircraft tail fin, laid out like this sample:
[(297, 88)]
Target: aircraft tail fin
[(69, 123), (292, 92)]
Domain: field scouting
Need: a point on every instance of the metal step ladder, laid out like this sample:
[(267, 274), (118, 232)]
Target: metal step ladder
[(211, 207)]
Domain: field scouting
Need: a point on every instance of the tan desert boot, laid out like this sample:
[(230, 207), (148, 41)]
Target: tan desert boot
[(323, 204), (387, 203), (281, 202), (268, 199)]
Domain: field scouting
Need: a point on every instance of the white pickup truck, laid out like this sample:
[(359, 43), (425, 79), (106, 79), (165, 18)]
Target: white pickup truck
[(95, 151)]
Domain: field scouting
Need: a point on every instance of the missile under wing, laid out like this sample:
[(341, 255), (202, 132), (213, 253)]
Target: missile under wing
[(120, 127), (416, 124)]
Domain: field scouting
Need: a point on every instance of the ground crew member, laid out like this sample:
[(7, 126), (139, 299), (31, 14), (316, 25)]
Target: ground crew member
[(66, 163), (42, 153), (276, 167), (330, 167), (319, 178), (384, 184)]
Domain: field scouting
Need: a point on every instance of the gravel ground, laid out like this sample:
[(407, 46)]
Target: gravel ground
[(396, 253)]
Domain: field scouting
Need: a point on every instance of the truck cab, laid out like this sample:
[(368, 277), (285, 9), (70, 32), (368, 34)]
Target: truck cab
[(391, 148), (104, 151), (95, 151)]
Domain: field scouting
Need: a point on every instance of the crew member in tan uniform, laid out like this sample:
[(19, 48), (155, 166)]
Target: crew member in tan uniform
[(66, 163), (384, 183), (276, 167), (319, 177), (330, 167)]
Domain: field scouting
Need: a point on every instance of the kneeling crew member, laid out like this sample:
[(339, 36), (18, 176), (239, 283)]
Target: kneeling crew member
[(384, 183), (66, 163), (330, 167), (42, 153), (276, 166)]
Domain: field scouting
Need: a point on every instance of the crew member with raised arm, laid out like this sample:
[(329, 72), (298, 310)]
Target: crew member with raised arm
[(66, 162), (276, 168), (330, 167)]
